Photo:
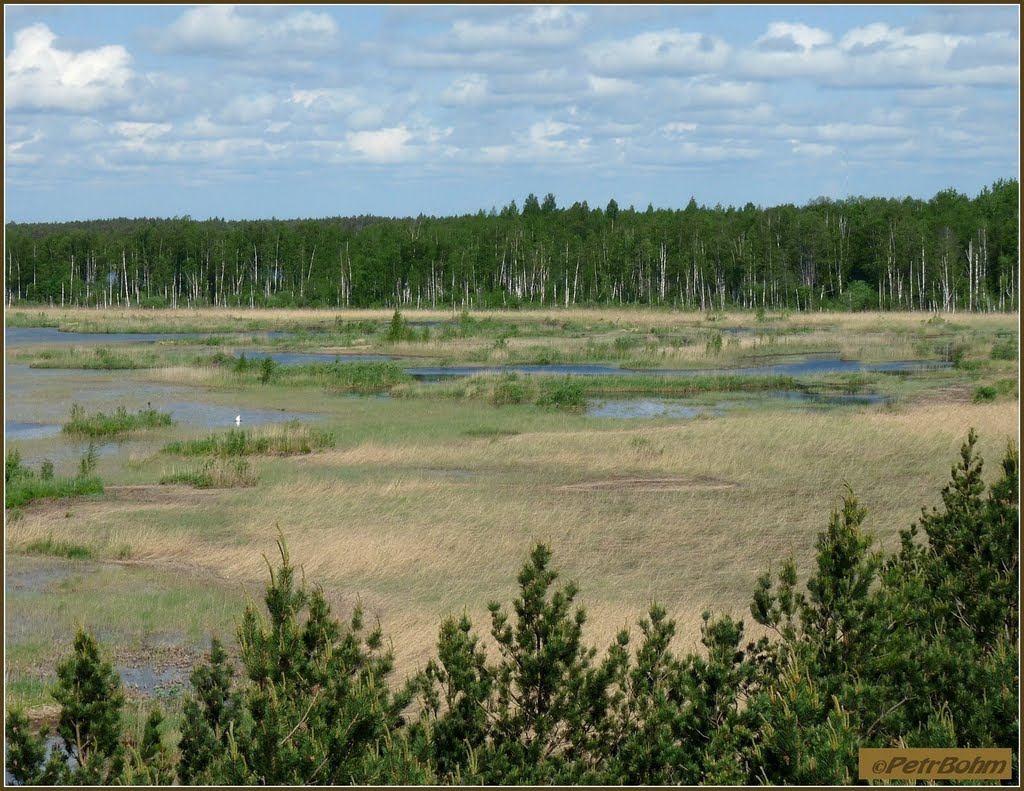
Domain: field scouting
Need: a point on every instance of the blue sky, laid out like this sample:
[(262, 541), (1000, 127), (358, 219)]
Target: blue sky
[(292, 111)]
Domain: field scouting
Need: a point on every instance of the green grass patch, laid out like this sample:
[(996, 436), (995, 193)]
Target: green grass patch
[(469, 326), (22, 486), (990, 392), (985, 393), (562, 394), (59, 549), (94, 359), (292, 440), (16, 318), (511, 389), (340, 377), (27, 693), (1005, 349), (217, 473), (23, 491), (121, 421)]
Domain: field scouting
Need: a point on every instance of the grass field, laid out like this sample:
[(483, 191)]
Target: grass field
[(427, 505)]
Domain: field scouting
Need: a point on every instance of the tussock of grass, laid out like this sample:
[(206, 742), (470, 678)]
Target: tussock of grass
[(94, 359), (22, 486), (358, 377), (22, 491), (986, 393), (217, 473), (990, 392), (60, 549), (1005, 350), (185, 375), (292, 439), (561, 394), (120, 422)]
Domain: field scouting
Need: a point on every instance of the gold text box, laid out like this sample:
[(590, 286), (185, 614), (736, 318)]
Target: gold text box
[(895, 763)]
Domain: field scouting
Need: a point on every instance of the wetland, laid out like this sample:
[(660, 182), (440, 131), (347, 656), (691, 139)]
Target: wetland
[(657, 452)]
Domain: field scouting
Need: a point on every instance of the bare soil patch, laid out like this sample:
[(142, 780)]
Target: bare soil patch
[(144, 495), (954, 394), (161, 494)]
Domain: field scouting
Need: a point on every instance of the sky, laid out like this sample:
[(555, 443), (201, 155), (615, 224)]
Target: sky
[(315, 111)]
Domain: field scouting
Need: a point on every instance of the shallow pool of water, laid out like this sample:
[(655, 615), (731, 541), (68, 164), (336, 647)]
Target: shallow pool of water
[(148, 680), (633, 408), (206, 415), (305, 358), (21, 429), (38, 402)]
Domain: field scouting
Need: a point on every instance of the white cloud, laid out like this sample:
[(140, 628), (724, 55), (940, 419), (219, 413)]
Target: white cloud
[(86, 129), (678, 128), (542, 141), (788, 36), (813, 149), (324, 99), (15, 150), (470, 90), (142, 153), (203, 126), (545, 131), (141, 130), (607, 99), (212, 27), (610, 86), (225, 29), (543, 27), (880, 55), (39, 75), (722, 93), (860, 132), (382, 145), (502, 153), (702, 152), (249, 109), (306, 24), (774, 64), (367, 118), (666, 51)]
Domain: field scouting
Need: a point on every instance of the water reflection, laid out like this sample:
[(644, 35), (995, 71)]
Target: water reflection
[(634, 408)]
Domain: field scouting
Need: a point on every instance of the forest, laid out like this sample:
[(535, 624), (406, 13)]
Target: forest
[(950, 253)]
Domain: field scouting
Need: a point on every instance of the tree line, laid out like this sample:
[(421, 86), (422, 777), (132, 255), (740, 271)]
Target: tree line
[(950, 253), (913, 648)]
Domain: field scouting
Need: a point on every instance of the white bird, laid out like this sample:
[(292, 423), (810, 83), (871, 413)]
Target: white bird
[(238, 420)]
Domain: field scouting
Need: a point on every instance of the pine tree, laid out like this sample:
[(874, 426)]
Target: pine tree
[(315, 707), (90, 724)]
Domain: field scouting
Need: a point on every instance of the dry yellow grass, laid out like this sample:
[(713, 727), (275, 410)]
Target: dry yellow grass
[(183, 375), (420, 529), (622, 316)]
